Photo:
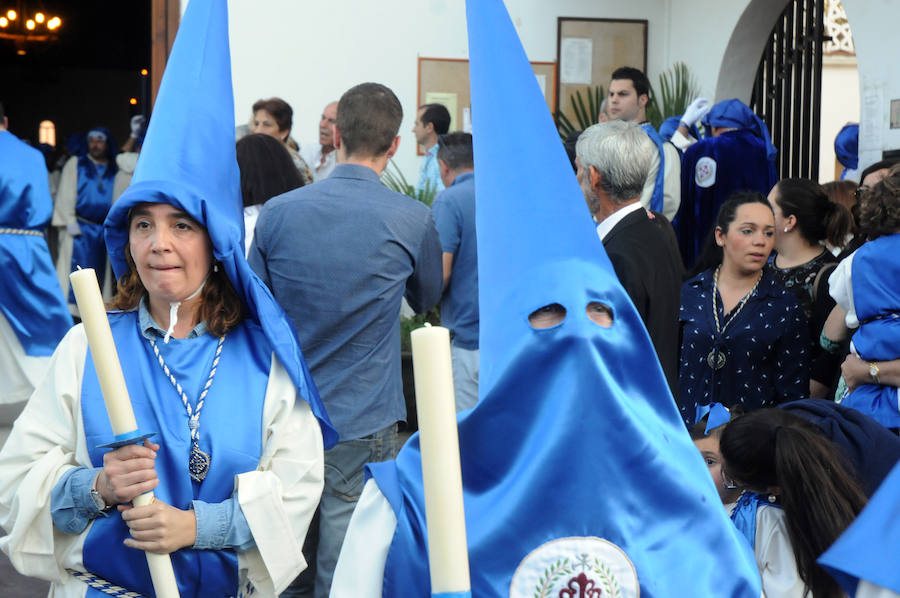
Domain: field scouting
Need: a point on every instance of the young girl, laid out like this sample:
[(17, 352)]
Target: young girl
[(760, 521), (783, 457)]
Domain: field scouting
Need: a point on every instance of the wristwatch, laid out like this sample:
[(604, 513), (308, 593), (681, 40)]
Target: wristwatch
[(98, 500), (873, 371)]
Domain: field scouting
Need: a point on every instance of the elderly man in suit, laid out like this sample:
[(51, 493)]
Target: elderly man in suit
[(612, 161)]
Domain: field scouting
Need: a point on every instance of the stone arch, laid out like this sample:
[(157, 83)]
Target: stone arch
[(741, 57)]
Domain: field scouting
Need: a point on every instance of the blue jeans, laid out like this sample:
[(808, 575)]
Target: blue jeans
[(465, 377), (343, 486)]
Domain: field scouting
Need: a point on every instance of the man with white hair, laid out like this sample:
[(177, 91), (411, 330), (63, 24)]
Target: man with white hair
[(612, 161)]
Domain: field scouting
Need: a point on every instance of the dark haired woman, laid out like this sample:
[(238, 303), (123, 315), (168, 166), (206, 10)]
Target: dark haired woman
[(275, 117), (212, 367), (744, 336), (266, 171), (777, 454), (805, 219), (865, 286)]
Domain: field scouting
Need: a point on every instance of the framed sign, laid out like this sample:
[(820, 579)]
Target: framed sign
[(446, 81), (589, 50)]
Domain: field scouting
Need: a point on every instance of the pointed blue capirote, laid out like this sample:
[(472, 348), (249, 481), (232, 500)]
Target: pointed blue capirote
[(575, 434), (188, 160)]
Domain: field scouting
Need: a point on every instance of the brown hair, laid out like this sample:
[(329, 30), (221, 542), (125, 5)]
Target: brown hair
[(368, 119), (280, 110), (879, 207), (819, 491), (818, 218), (220, 305)]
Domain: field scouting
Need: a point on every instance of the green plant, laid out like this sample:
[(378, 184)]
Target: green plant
[(407, 325), (393, 179), (586, 115), (677, 88)]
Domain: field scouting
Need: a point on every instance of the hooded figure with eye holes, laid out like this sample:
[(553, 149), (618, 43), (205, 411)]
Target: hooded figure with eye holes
[(579, 477)]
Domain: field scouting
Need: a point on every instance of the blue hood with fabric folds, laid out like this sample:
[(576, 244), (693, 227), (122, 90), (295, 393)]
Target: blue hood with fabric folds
[(575, 434), (735, 113), (188, 160)]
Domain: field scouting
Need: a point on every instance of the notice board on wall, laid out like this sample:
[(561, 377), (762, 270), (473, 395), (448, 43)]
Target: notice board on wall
[(589, 50), (446, 81)]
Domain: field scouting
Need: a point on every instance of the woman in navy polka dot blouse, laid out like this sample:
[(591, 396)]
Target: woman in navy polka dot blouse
[(744, 337)]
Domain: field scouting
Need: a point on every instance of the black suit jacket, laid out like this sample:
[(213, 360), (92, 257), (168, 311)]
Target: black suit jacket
[(644, 252)]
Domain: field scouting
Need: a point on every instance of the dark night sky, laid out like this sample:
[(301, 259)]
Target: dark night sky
[(113, 34)]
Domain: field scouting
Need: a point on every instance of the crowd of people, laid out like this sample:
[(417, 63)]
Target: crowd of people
[(255, 288)]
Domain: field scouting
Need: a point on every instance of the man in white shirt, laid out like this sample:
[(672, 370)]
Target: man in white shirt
[(322, 158), (629, 94)]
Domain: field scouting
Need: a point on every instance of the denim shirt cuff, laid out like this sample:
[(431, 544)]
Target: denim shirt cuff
[(71, 504), (221, 525)]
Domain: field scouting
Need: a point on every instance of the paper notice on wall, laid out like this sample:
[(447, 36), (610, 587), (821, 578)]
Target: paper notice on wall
[(575, 60), (467, 119), (871, 125), (449, 100), (542, 82)]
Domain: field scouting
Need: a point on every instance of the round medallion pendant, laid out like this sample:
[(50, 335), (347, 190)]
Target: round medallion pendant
[(198, 464), (716, 359)]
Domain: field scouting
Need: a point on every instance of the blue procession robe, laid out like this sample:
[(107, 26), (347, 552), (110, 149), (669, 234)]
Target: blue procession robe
[(262, 446), (711, 170), (84, 198), (876, 298), (31, 300)]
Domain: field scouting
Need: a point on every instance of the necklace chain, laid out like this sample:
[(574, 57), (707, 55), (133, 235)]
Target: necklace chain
[(199, 461), (721, 330)]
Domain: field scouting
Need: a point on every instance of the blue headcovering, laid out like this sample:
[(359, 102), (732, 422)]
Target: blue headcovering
[(76, 143), (111, 151), (670, 125), (575, 433), (735, 113), (188, 160), (846, 146)]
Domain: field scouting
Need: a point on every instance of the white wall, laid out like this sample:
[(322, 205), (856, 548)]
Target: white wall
[(840, 105), (309, 52)]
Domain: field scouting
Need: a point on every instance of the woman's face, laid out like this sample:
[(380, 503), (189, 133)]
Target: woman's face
[(171, 251), (749, 239), (263, 122), (709, 449)]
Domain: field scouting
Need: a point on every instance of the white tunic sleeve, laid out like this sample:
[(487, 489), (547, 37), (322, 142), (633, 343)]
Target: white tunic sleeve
[(841, 289), (46, 441), (280, 497), (775, 556), (66, 194), (360, 567)]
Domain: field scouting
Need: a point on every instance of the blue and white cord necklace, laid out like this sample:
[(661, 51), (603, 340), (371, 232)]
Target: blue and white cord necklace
[(198, 463)]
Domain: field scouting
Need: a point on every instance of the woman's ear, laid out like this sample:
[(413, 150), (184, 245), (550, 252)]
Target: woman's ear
[(720, 237)]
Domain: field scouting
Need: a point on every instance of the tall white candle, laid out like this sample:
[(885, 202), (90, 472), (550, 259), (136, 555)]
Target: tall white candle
[(115, 396), (103, 350), (448, 556)]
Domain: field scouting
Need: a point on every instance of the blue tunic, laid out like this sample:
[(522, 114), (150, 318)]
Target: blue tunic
[(230, 424), (876, 298), (30, 296), (765, 349), (95, 187), (733, 161)]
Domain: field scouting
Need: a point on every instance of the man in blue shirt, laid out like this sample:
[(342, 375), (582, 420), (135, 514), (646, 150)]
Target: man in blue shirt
[(432, 121), (454, 215), (339, 256)]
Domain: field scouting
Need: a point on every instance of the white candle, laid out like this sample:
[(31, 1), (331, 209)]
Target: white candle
[(103, 350), (115, 396), (448, 556)]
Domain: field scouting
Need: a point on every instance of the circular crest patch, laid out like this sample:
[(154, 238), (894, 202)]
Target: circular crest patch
[(705, 172), (575, 567)]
